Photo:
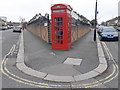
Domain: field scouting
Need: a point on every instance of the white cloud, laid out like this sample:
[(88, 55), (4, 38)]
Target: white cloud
[(13, 9)]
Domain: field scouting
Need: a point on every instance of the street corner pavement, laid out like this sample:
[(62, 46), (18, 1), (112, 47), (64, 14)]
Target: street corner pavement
[(76, 64)]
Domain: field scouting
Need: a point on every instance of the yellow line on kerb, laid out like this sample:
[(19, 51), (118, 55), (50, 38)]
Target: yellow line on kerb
[(104, 45), (21, 81), (26, 79), (87, 85), (111, 56), (114, 69), (3, 65)]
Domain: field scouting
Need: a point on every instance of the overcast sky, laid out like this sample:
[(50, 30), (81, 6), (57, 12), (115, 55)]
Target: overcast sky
[(14, 9)]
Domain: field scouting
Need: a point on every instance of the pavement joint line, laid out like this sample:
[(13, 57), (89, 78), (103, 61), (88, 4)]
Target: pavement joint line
[(22, 44), (46, 75), (96, 71), (88, 83)]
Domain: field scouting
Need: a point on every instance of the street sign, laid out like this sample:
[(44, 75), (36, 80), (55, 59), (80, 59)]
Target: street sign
[(97, 12)]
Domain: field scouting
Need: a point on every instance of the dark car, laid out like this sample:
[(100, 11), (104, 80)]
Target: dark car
[(109, 33)]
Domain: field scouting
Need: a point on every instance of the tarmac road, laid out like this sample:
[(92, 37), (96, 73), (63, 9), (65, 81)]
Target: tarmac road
[(9, 38)]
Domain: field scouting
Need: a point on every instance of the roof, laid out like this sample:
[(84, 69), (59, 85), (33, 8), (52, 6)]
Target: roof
[(61, 6), (113, 19), (2, 20)]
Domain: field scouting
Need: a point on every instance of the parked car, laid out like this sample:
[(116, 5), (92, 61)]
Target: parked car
[(4, 27), (118, 28), (17, 29), (99, 29), (109, 33), (0, 27)]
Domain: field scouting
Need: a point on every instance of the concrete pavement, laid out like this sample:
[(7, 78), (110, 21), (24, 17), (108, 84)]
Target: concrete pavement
[(36, 58)]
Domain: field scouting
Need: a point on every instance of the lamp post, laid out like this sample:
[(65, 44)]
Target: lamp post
[(95, 23)]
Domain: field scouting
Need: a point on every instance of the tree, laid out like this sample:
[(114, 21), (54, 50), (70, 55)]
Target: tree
[(93, 22), (103, 23), (22, 20)]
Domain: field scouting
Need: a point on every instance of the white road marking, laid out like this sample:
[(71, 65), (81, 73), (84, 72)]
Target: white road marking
[(73, 61)]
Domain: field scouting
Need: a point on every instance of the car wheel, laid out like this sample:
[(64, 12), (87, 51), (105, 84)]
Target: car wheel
[(117, 39)]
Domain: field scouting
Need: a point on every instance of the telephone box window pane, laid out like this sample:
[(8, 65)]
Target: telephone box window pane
[(58, 28), (58, 42), (58, 24), (59, 37), (58, 33), (58, 19)]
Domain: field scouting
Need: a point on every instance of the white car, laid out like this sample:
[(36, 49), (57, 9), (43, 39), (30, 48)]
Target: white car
[(4, 27), (17, 29)]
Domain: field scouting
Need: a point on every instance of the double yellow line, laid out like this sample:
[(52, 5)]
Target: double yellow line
[(111, 58), (45, 85), (109, 54)]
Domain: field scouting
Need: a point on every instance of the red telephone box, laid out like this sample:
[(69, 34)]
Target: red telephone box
[(61, 26)]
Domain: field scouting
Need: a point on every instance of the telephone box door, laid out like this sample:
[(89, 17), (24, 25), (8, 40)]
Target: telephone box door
[(58, 32)]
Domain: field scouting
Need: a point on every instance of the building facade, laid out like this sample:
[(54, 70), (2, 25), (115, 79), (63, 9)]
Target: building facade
[(119, 13), (112, 22), (3, 21)]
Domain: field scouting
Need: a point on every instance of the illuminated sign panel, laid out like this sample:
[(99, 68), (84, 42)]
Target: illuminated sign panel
[(58, 10)]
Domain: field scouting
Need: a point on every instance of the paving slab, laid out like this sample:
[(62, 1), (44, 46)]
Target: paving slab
[(20, 56), (34, 73), (21, 66), (73, 61), (85, 76), (61, 70), (59, 78), (101, 68), (102, 60), (100, 52), (20, 59)]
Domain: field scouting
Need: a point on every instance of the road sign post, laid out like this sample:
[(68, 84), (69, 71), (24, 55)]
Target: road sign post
[(95, 23)]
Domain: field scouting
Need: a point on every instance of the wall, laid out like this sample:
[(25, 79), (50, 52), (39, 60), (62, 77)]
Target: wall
[(79, 31), (42, 31)]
